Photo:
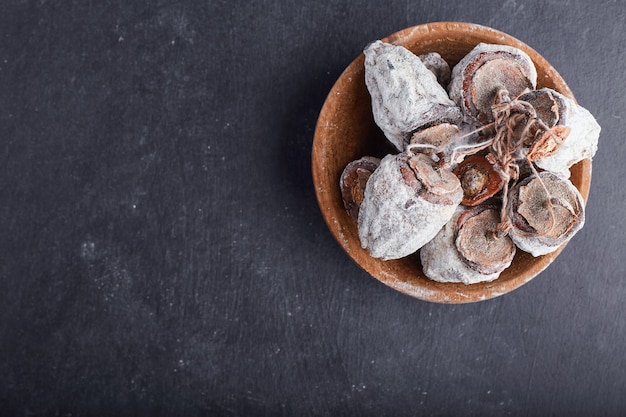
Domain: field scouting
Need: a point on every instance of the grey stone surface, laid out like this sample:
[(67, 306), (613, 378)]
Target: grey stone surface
[(163, 252)]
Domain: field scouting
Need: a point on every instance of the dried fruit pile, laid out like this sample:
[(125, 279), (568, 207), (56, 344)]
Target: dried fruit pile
[(482, 162)]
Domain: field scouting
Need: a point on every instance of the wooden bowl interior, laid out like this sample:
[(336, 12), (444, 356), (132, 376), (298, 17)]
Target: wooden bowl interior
[(346, 131)]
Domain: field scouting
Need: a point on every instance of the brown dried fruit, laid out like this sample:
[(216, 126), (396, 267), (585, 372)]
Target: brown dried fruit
[(352, 183), (548, 142), (436, 182), (545, 104), (572, 137), (546, 211), (405, 94), (407, 200), (483, 73), (546, 135), (478, 242), (467, 249), (479, 180), (434, 139), (495, 130)]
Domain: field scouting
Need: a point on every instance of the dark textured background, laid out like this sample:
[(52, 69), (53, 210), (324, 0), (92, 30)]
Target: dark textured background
[(162, 248)]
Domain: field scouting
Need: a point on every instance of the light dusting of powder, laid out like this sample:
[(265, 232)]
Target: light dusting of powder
[(581, 143), (405, 94)]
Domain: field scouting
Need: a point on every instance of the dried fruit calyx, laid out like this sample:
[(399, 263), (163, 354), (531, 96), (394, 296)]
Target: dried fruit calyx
[(480, 245), (546, 211), (483, 72), (436, 137), (479, 180), (572, 135), (352, 183), (467, 249), (406, 201)]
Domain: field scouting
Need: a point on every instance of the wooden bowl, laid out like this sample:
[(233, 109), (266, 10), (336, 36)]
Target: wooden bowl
[(346, 131)]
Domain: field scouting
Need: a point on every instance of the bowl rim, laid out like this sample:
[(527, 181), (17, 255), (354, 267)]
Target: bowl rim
[(421, 287)]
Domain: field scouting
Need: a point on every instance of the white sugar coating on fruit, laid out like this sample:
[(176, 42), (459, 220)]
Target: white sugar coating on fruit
[(437, 136), (442, 262), (495, 75), (438, 66), (407, 208), (568, 204), (582, 141), (394, 221), (462, 84), (405, 93)]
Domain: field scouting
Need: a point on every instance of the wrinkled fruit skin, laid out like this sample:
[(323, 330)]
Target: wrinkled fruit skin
[(443, 262), (399, 214), (462, 190), (581, 141), (352, 183), (405, 93), (479, 180), (485, 70), (438, 136), (522, 204)]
